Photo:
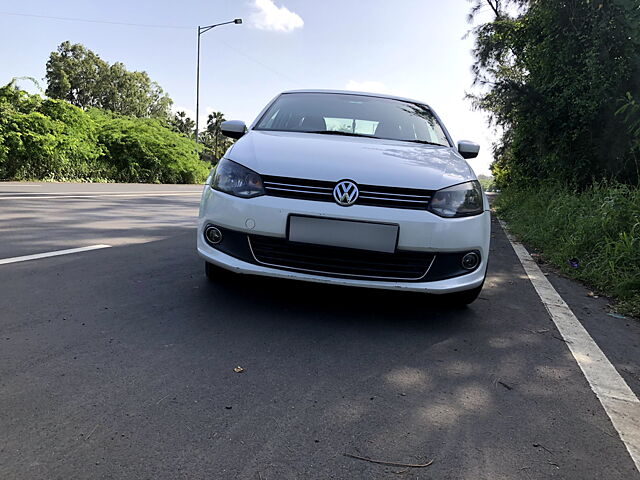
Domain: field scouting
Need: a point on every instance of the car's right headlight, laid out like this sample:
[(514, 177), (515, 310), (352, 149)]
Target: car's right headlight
[(461, 200), (232, 178)]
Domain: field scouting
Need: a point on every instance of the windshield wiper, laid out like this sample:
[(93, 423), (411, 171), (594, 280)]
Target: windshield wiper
[(350, 134), (337, 132), (424, 142)]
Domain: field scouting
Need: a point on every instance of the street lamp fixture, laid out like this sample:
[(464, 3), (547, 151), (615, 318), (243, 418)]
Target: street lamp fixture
[(202, 30)]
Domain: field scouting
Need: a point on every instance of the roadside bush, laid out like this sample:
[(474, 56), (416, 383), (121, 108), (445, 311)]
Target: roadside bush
[(45, 139), (142, 150), (599, 226), (487, 183)]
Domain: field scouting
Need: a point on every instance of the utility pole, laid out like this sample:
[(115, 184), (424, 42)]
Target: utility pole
[(202, 30)]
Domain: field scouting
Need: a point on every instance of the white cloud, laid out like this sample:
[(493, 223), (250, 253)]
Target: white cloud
[(269, 16)]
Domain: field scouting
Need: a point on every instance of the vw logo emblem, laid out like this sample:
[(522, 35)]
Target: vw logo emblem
[(346, 193)]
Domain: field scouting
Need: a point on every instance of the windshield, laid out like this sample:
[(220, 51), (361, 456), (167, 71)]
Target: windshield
[(354, 115)]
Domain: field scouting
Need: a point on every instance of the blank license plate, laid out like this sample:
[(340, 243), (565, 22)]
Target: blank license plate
[(378, 237)]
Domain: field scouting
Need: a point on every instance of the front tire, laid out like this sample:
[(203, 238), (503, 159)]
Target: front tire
[(215, 273), (464, 298)]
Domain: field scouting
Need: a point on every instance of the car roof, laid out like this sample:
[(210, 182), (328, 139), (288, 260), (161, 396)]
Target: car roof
[(366, 94)]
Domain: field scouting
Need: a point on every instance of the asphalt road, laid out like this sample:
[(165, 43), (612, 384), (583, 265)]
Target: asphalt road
[(119, 363)]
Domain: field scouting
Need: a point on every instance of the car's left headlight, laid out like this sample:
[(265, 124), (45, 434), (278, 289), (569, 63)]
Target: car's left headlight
[(232, 178), (461, 200)]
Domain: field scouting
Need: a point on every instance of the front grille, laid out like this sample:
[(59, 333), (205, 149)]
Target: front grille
[(341, 262), (371, 195), (298, 188)]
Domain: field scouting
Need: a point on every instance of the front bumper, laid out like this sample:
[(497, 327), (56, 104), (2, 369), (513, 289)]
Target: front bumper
[(420, 231)]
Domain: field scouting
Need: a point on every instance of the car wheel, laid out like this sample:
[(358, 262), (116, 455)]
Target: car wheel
[(464, 298), (215, 273)]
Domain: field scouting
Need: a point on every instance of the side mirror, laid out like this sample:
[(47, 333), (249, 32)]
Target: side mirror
[(233, 128), (468, 149)]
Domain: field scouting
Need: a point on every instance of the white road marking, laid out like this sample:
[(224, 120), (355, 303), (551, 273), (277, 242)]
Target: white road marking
[(54, 196), (619, 402), (93, 192), (12, 185), (4, 261)]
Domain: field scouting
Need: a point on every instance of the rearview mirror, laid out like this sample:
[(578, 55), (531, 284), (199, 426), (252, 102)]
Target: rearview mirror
[(233, 128), (468, 149)]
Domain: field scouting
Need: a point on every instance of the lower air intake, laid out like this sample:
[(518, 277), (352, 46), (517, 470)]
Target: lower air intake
[(341, 262)]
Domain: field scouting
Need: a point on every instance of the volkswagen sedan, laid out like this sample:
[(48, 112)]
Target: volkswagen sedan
[(347, 188)]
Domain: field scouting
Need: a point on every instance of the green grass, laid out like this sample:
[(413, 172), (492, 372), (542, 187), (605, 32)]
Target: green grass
[(486, 182), (600, 227)]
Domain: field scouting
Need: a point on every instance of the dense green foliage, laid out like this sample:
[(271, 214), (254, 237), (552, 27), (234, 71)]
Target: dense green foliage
[(81, 77), (488, 184), (54, 140), (182, 124), (631, 113), (599, 226), (45, 139), (553, 77), (101, 122), (142, 150), (561, 80), (214, 142)]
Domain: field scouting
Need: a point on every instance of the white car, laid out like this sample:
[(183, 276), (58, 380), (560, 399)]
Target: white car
[(348, 188)]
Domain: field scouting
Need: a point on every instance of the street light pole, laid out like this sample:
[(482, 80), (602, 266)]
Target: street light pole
[(202, 30), (198, 86)]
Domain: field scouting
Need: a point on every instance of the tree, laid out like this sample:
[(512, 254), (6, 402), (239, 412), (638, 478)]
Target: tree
[(215, 143), (630, 110), (552, 74), (79, 76), (74, 74), (52, 139), (45, 139), (182, 124)]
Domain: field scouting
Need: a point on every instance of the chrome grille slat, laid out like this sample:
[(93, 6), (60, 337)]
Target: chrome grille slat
[(297, 190), (289, 185), (370, 195), (393, 199), (388, 195)]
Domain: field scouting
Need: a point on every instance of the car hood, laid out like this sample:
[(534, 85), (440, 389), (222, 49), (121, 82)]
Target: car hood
[(367, 161)]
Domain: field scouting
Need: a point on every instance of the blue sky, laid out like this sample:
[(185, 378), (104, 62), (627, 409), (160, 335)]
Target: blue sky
[(413, 48)]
